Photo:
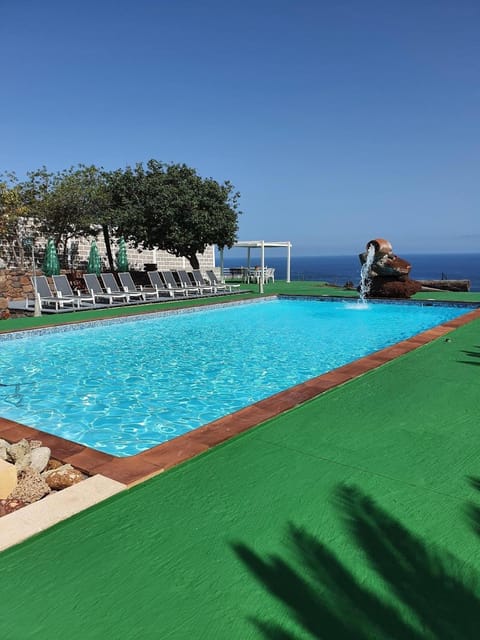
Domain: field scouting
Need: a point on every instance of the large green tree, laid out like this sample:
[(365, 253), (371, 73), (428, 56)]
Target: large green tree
[(171, 207)]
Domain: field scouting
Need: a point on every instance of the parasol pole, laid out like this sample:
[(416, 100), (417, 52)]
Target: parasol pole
[(37, 312)]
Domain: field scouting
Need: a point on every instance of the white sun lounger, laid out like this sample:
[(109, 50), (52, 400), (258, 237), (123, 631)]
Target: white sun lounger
[(211, 275), (111, 286), (63, 289), (152, 295), (47, 299), (167, 280), (95, 288)]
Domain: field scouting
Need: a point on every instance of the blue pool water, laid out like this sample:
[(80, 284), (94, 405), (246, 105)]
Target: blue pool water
[(126, 386)]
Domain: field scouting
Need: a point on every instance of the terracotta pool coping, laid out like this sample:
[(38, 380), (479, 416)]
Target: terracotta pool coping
[(134, 469)]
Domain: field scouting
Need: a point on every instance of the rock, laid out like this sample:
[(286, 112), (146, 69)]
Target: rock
[(53, 464), (31, 486), (18, 450), (23, 462), (39, 458), (8, 478), (9, 505), (34, 444), (4, 444), (3, 452), (392, 288), (388, 274), (63, 477)]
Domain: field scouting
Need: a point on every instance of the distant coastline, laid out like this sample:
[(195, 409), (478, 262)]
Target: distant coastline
[(341, 269)]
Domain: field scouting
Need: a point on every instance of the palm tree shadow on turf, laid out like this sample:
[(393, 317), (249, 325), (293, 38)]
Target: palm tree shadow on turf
[(473, 510), (438, 593), (471, 354)]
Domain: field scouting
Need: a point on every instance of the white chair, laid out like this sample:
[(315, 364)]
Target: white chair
[(269, 274)]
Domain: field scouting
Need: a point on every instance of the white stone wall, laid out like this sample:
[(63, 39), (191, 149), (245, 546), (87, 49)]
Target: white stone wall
[(137, 259)]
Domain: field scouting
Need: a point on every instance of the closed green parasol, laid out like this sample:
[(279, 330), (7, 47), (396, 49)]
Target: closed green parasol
[(122, 260), (51, 265), (94, 263)]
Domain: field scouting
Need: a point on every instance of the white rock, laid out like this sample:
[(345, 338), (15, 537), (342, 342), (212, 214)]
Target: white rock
[(39, 458)]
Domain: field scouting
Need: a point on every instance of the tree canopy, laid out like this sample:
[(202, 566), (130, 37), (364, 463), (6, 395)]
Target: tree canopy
[(171, 207)]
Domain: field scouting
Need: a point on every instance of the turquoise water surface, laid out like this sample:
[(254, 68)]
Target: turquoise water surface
[(125, 386)]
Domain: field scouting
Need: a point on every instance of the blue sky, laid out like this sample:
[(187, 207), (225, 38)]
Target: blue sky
[(337, 121)]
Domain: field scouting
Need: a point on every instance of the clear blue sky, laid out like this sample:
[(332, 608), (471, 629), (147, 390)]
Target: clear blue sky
[(338, 121)]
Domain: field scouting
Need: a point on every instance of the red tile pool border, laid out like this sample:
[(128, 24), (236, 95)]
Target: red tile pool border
[(135, 469)]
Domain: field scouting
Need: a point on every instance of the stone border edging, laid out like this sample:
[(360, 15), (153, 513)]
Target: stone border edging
[(38, 516)]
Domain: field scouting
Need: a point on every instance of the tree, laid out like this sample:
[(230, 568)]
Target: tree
[(122, 203), (73, 203), (14, 213), (63, 203), (174, 209)]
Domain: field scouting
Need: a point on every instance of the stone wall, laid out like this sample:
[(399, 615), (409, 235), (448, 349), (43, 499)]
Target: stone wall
[(15, 284), (75, 257), (138, 259)]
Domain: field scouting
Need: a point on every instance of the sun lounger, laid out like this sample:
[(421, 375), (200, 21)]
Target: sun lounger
[(46, 297), (186, 283), (152, 295), (95, 288), (63, 289), (111, 286), (212, 276), (205, 285), (166, 279)]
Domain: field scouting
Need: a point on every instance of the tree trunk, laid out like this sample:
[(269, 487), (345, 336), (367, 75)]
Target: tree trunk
[(14, 257), (106, 237), (193, 261)]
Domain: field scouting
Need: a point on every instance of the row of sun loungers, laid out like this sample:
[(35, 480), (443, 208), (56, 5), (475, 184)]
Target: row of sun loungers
[(106, 291)]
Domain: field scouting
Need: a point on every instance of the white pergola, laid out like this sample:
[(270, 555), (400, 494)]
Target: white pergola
[(262, 245)]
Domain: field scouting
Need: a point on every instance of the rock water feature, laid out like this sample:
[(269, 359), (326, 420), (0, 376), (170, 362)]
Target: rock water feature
[(28, 474), (384, 274)]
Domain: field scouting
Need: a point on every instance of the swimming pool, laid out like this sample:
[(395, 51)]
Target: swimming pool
[(125, 386)]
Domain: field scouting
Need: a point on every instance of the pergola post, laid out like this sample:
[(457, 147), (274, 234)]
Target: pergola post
[(261, 280), (288, 261)]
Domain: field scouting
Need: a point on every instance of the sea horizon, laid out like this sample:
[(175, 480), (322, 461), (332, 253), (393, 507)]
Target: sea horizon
[(339, 269)]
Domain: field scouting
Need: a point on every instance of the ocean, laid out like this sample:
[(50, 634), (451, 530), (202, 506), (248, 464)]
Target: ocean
[(341, 269)]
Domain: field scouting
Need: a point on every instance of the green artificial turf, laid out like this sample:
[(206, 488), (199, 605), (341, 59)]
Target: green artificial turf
[(355, 515)]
